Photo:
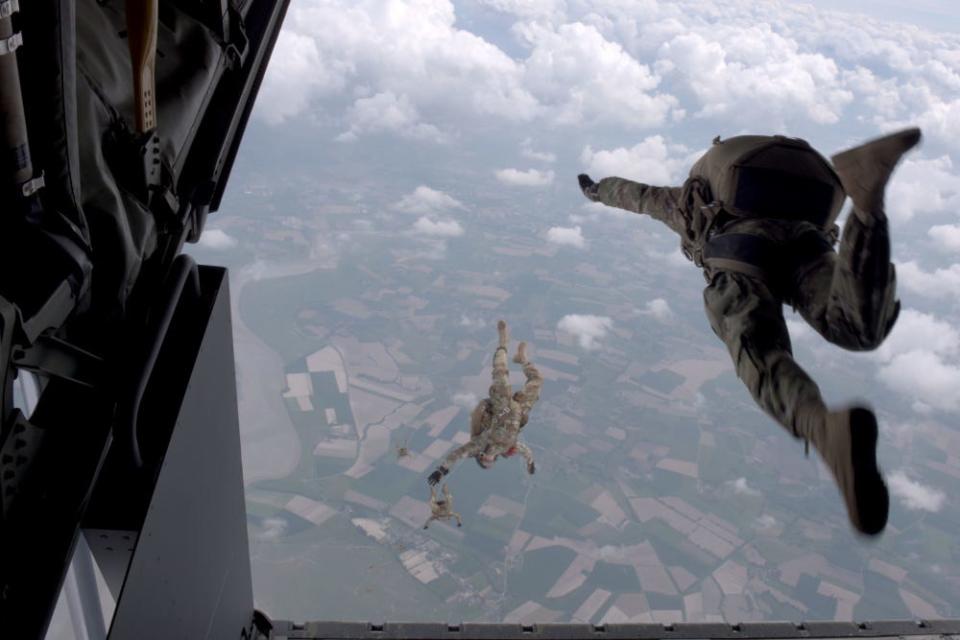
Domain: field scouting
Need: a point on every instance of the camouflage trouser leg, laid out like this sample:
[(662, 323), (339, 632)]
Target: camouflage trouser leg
[(850, 297), (749, 319), (531, 389), (500, 390)]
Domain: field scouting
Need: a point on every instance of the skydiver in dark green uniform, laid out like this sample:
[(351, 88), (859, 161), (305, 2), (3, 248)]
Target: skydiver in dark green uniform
[(757, 214)]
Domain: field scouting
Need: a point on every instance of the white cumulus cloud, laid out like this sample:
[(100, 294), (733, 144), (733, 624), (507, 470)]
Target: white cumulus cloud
[(741, 487), (388, 48), (388, 112), (915, 495), (651, 161), (424, 200), (920, 359), (946, 236), (440, 228), (941, 283), (216, 239), (298, 74), (527, 8), (588, 329), (465, 399), (580, 76), (921, 186), (925, 376), (527, 150), (528, 178), (273, 529), (750, 75), (658, 308), (917, 330), (570, 236)]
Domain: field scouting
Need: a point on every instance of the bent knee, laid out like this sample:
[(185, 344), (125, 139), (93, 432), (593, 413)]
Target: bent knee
[(871, 336)]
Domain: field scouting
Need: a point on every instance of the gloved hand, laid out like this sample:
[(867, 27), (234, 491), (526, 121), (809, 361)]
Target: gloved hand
[(531, 468), (588, 186), (435, 477)]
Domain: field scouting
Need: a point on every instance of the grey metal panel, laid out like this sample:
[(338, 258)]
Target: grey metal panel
[(680, 631), (86, 579), (190, 572), (112, 549)]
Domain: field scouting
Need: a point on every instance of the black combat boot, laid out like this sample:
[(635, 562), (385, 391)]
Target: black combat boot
[(865, 170), (847, 442)]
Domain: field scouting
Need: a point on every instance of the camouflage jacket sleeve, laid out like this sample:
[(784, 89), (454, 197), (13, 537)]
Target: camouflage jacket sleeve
[(525, 451), (468, 450), (661, 203)]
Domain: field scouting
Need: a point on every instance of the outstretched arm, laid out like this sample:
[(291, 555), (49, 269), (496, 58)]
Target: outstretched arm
[(470, 449), (661, 203), (527, 454)]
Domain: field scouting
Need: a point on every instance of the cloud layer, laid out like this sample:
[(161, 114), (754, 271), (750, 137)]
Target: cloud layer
[(409, 67)]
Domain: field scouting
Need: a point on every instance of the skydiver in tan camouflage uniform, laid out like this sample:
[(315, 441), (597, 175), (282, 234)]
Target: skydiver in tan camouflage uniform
[(496, 421), (442, 509), (770, 243)]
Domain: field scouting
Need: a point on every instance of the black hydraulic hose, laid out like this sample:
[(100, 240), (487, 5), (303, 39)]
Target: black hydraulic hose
[(14, 146), (184, 269)]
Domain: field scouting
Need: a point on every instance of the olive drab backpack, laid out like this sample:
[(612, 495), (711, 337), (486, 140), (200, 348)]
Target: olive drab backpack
[(771, 177)]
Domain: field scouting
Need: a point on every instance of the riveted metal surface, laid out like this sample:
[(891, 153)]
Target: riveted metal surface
[(913, 629)]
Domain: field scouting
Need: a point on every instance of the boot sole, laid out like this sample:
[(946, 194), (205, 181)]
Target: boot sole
[(873, 500), (866, 169), (868, 150)]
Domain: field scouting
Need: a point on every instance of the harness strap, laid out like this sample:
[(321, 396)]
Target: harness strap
[(762, 258), (744, 252)]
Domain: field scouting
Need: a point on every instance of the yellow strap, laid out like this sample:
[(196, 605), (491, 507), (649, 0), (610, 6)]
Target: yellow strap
[(142, 16)]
